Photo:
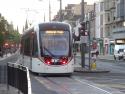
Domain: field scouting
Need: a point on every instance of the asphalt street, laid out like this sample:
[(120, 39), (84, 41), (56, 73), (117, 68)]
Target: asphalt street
[(89, 83), (114, 79)]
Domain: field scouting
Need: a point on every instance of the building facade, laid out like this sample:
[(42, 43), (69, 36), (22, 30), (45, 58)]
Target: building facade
[(119, 30), (100, 25), (110, 17), (109, 24)]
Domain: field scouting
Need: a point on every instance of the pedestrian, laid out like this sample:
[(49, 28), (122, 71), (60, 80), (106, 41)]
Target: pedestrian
[(97, 53), (1, 52), (114, 57)]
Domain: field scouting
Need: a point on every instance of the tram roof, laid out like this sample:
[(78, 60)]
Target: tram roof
[(53, 25)]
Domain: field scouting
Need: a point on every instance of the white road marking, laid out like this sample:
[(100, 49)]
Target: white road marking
[(44, 82), (71, 90), (92, 86)]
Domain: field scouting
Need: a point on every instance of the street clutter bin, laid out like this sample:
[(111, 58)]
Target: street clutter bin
[(93, 60)]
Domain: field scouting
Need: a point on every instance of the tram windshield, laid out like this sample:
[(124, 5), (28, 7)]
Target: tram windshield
[(54, 43)]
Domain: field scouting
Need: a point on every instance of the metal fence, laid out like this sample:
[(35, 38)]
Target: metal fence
[(18, 77)]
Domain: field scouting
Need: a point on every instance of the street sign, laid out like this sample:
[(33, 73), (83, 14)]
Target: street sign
[(94, 45), (83, 39)]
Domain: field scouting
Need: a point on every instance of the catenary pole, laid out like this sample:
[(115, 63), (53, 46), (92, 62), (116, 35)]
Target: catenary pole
[(61, 11), (82, 45)]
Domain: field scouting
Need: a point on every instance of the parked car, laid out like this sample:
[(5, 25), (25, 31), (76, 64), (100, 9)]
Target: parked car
[(119, 54)]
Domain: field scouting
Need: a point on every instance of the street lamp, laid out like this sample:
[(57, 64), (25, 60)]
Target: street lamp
[(82, 40), (82, 10), (60, 12), (27, 11), (49, 10)]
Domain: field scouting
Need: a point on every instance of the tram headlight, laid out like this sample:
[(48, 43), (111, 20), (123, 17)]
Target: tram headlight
[(63, 60), (48, 60)]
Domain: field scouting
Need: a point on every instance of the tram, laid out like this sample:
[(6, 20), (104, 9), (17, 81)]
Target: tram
[(47, 48)]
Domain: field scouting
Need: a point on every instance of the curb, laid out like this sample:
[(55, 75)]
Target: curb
[(103, 59), (83, 70), (6, 57), (100, 59)]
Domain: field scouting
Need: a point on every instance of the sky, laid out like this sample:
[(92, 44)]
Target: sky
[(17, 11)]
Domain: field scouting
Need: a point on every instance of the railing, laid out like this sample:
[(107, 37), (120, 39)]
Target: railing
[(18, 77), (119, 30)]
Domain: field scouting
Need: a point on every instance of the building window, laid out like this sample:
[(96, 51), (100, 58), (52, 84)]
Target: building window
[(101, 33), (101, 19), (120, 9), (102, 6), (108, 31), (108, 17)]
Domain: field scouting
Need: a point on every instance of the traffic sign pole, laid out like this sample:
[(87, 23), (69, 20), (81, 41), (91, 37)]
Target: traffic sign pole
[(83, 48), (83, 44)]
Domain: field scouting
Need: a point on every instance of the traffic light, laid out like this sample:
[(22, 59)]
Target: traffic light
[(76, 38), (82, 29)]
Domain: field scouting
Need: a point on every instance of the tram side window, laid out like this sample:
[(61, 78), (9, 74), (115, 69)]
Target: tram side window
[(35, 46), (27, 47), (22, 48)]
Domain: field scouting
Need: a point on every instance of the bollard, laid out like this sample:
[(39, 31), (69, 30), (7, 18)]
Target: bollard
[(93, 65)]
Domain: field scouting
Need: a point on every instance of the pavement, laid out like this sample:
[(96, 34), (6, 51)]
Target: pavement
[(5, 56), (93, 69), (100, 57), (11, 90), (106, 57), (3, 87)]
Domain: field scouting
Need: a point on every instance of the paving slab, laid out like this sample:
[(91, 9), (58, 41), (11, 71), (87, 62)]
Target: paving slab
[(11, 90)]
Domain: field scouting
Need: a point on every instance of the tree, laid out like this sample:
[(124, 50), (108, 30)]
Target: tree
[(8, 33), (26, 24), (10, 27), (1, 38), (2, 24), (3, 27)]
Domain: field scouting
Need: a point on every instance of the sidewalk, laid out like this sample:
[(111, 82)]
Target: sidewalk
[(100, 57), (3, 87), (5, 56), (12, 90), (78, 67)]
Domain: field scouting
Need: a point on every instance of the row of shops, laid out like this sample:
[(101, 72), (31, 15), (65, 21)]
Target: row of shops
[(104, 46)]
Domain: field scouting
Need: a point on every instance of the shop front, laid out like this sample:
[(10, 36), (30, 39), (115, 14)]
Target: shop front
[(100, 44), (111, 47), (106, 46)]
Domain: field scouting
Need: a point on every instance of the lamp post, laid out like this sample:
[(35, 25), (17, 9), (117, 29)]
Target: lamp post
[(82, 10), (89, 38), (49, 10), (60, 10), (83, 42)]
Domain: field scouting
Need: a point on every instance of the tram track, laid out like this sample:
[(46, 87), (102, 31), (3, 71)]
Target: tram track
[(52, 85), (66, 85)]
